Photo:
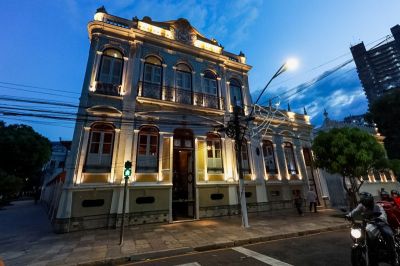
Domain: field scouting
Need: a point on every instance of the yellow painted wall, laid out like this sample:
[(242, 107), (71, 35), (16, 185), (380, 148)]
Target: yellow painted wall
[(166, 160), (201, 146), (95, 178)]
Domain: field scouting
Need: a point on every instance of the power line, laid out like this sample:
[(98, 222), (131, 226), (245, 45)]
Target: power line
[(37, 87)]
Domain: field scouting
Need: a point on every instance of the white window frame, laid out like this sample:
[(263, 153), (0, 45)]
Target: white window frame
[(148, 161), (214, 162), (269, 158)]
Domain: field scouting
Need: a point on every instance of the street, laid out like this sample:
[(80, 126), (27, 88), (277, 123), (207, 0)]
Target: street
[(332, 248)]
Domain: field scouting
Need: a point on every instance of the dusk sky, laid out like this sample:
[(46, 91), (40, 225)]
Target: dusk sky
[(45, 45)]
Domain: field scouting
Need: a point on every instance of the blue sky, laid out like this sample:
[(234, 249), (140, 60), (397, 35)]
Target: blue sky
[(45, 44)]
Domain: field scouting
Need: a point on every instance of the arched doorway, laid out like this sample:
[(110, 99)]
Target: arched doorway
[(183, 188)]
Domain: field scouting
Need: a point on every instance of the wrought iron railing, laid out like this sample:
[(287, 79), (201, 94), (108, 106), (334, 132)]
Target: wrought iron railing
[(178, 95), (108, 89)]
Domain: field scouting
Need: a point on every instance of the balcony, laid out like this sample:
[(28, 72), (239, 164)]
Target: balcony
[(177, 95), (108, 89)]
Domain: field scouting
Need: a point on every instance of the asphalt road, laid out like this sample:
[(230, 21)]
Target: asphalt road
[(332, 248)]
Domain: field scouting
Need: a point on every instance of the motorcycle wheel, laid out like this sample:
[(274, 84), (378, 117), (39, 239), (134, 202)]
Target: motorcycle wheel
[(359, 257)]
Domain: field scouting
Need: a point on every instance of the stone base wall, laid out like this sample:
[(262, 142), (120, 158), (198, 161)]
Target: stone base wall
[(109, 221)]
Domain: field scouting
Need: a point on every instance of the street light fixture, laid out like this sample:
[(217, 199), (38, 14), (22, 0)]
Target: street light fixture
[(237, 131), (290, 64)]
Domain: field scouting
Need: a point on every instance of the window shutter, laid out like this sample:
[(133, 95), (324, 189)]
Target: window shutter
[(117, 69), (105, 69)]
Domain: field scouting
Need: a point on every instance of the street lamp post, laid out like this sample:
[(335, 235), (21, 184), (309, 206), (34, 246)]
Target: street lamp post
[(237, 131)]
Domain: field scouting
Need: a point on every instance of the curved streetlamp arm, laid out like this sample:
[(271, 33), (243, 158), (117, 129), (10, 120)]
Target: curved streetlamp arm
[(280, 71)]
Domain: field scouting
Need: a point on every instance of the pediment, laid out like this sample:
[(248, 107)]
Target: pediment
[(104, 110)]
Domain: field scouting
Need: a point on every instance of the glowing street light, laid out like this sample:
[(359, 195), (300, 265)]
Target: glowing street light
[(290, 64)]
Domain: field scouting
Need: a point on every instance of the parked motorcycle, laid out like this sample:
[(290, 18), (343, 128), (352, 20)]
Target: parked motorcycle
[(369, 246)]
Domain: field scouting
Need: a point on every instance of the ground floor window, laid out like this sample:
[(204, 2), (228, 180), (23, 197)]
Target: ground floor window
[(147, 154), (214, 154)]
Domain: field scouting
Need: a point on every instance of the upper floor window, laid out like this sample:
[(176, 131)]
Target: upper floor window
[(147, 156), (111, 67), (214, 154), (235, 92), (153, 70), (269, 157), (290, 160), (100, 145), (210, 83), (183, 77)]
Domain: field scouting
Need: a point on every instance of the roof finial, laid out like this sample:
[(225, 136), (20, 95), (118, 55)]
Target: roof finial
[(325, 113), (288, 107), (305, 111), (101, 9)]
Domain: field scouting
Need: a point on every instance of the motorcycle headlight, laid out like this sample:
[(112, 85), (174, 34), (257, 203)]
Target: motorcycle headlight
[(355, 232)]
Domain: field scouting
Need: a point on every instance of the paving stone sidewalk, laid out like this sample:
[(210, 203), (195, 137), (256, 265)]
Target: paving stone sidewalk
[(26, 237)]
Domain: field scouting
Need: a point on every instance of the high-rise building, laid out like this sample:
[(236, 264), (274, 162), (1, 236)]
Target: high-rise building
[(379, 67)]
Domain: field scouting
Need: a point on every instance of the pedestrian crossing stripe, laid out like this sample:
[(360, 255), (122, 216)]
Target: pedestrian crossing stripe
[(261, 257), (190, 264)]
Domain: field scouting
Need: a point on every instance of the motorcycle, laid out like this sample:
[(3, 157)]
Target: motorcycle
[(369, 246)]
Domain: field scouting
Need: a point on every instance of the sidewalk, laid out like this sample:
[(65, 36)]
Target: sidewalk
[(26, 237)]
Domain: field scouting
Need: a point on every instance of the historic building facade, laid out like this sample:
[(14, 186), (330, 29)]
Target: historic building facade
[(154, 93)]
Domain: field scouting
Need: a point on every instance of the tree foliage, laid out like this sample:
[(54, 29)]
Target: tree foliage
[(23, 153), (351, 153), (385, 112)]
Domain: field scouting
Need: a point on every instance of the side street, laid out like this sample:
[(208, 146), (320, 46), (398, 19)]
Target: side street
[(27, 237)]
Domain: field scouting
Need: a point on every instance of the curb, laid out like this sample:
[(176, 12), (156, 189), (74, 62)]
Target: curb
[(214, 246)]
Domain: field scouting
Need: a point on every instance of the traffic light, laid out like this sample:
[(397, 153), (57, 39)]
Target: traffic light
[(128, 169)]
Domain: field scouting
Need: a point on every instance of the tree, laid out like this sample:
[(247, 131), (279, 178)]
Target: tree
[(350, 152), (385, 112), (9, 185), (22, 155)]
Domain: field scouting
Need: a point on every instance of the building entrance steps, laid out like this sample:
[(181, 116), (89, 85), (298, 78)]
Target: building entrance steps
[(26, 237)]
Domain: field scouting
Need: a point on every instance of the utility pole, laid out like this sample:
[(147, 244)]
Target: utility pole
[(236, 131), (127, 174), (239, 135)]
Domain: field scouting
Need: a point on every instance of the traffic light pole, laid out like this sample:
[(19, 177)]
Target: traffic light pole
[(127, 174), (121, 236)]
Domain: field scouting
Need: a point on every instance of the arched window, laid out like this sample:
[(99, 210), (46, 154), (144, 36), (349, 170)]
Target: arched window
[(183, 84), (245, 159), (147, 152), (214, 154), (290, 159), (269, 157), (100, 146), (210, 83), (152, 70), (235, 92), (183, 77), (111, 67)]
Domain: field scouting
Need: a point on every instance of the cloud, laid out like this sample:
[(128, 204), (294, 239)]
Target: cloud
[(340, 93)]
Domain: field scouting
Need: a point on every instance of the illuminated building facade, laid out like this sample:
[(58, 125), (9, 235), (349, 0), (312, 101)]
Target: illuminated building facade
[(379, 67), (154, 94)]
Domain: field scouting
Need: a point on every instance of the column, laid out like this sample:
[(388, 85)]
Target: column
[(95, 69), (160, 156), (82, 156), (114, 156), (134, 154)]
